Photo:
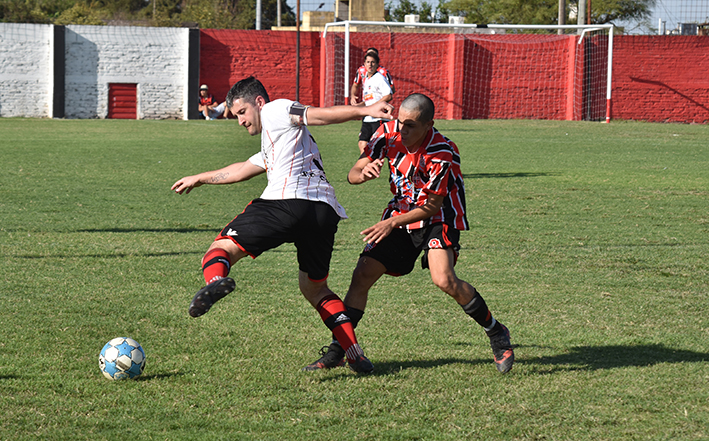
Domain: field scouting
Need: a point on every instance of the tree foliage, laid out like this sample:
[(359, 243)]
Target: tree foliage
[(406, 7), (544, 11), (206, 14)]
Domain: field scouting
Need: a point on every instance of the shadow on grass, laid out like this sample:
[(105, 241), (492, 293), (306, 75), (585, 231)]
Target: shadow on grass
[(614, 356), (9, 377), (148, 230), (580, 358), (160, 376), (106, 255), (506, 175)]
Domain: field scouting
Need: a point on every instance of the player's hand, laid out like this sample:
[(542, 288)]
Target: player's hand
[(372, 170), (381, 109), (378, 231), (353, 101), (186, 184)]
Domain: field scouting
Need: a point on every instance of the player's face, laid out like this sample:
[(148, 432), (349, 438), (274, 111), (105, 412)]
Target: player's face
[(413, 131), (248, 114), (371, 65)]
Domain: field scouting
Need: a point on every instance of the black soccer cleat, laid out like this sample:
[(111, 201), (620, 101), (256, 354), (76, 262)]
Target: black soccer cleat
[(209, 295), (361, 365), (502, 350), (333, 357)]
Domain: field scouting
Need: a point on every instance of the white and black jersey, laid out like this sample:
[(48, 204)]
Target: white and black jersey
[(291, 157)]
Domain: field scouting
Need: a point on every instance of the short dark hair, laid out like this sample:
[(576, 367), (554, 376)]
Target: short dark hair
[(247, 89), (418, 102), (372, 49), (374, 55)]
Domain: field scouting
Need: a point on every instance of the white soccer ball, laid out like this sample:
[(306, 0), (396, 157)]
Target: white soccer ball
[(122, 358)]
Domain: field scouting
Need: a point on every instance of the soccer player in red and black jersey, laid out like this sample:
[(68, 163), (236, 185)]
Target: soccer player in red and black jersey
[(426, 214)]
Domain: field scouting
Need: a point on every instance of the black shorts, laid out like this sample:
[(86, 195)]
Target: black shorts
[(266, 224), (368, 129), (400, 249)]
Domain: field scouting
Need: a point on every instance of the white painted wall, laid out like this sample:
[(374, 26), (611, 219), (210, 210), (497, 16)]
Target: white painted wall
[(26, 70), (153, 58)]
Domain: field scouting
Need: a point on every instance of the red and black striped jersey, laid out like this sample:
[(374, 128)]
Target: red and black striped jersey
[(432, 169)]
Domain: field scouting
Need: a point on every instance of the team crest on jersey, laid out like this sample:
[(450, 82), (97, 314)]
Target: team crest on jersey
[(435, 244)]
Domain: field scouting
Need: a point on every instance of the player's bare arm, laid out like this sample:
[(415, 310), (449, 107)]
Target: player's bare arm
[(354, 94), (383, 228), (365, 170), (320, 116), (237, 172)]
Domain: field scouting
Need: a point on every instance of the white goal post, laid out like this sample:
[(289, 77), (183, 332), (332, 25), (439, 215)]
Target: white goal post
[(558, 72)]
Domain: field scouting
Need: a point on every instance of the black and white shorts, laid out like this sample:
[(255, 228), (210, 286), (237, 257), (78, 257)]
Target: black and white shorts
[(265, 224), (400, 249)]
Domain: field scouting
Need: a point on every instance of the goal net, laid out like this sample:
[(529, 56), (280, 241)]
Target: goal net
[(479, 71)]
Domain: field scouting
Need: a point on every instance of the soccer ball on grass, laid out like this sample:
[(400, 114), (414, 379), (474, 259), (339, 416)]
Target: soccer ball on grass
[(122, 358)]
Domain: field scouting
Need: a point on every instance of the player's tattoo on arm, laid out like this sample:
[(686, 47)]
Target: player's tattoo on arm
[(218, 177)]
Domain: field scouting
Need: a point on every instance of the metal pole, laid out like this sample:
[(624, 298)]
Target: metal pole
[(609, 88), (582, 12), (278, 11), (297, 51), (258, 15), (347, 62), (562, 15)]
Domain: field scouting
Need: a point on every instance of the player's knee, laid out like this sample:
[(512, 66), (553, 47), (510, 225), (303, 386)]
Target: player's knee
[(446, 282)]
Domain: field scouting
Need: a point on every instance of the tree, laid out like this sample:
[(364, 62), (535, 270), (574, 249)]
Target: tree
[(216, 14), (406, 7), (32, 11), (544, 11)]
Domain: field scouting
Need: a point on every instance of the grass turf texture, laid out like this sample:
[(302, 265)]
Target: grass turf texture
[(588, 240)]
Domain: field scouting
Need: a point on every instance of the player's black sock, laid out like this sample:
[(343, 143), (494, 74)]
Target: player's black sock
[(355, 316), (477, 309)]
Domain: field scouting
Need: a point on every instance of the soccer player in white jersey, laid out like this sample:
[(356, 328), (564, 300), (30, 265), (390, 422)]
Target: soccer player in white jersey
[(298, 205), (375, 89)]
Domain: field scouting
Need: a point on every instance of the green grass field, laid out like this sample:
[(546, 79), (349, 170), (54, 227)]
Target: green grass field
[(590, 241)]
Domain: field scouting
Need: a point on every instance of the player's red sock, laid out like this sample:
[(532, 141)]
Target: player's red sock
[(332, 312), (215, 265)]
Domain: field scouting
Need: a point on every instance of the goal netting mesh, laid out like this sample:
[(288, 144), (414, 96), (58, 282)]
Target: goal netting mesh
[(479, 72)]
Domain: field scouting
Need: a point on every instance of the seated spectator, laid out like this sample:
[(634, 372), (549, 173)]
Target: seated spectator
[(208, 106)]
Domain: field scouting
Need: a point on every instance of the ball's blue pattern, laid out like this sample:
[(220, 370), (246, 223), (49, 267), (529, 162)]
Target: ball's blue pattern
[(122, 358)]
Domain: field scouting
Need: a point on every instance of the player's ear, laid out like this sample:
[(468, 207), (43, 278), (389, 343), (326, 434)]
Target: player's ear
[(260, 102)]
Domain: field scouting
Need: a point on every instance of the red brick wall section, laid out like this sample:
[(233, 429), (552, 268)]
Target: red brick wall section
[(227, 56), (661, 78)]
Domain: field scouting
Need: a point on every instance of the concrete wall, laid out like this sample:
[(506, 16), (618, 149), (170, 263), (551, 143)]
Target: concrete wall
[(156, 59), (26, 70)]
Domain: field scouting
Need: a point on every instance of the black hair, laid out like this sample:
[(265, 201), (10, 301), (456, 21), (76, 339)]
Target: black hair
[(247, 89)]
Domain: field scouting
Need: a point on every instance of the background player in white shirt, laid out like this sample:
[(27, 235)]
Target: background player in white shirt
[(297, 206), (375, 89), (361, 73)]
